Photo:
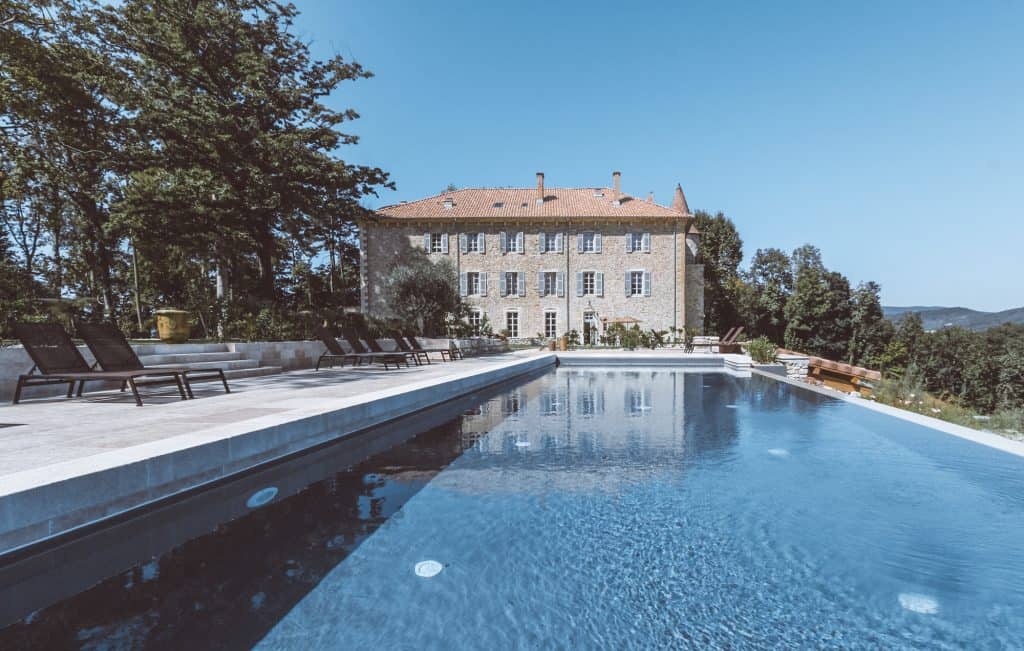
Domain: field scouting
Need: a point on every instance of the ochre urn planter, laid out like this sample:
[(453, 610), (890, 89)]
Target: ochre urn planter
[(172, 326)]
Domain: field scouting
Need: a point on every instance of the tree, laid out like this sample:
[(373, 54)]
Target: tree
[(721, 250), (818, 314), (244, 146), (769, 283), (870, 331), (423, 293), (1010, 387)]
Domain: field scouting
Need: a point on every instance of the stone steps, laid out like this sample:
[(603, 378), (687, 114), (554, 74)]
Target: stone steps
[(225, 364), (147, 349), (255, 371)]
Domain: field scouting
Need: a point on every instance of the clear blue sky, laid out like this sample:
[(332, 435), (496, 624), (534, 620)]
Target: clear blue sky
[(889, 134)]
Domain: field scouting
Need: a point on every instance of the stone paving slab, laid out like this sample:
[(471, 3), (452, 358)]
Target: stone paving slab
[(71, 462)]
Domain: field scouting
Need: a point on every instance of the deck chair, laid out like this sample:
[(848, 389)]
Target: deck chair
[(447, 354), (387, 359), (403, 345), (113, 353), (730, 343), (335, 352), (58, 361), (375, 347)]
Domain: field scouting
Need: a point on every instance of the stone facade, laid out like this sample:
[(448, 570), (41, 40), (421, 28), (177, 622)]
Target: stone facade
[(675, 281), (658, 243)]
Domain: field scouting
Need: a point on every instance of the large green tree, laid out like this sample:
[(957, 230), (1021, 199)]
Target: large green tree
[(818, 313), (769, 283), (721, 251), (870, 331)]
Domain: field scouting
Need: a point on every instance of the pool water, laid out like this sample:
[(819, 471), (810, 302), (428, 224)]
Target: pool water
[(590, 508)]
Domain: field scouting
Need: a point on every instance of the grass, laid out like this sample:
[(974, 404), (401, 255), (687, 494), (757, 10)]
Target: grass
[(908, 395)]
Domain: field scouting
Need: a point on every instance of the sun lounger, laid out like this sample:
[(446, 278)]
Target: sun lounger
[(335, 351), (387, 359), (113, 353), (730, 343), (403, 345), (58, 361), (375, 347), (447, 354)]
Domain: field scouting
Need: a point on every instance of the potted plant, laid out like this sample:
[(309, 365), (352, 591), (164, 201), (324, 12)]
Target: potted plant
[(172, 325)]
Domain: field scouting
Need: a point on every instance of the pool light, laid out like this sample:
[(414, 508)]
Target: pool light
[(261, 497), (428, 569)]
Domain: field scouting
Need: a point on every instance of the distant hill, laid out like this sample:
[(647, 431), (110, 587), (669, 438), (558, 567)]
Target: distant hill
[(934, 318)]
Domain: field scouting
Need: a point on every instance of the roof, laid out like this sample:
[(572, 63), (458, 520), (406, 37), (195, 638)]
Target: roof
[(473, 203)]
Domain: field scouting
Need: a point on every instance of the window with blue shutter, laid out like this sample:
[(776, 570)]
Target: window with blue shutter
[(463, 284), (542, 242), (597, 242), (646, 243), (647, 283), (483, 283), (521, 284), (520, 242), (560, 284), (481, 242), (599, 283)]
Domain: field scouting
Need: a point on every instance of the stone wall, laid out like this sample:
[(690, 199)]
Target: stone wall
[(671, 303)]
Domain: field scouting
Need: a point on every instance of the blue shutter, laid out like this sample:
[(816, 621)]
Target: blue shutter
[(599, 283), (463, 243), (542, 242), (540, 283), (426, 242), (444, 243), (481, 241), (646, 242), (521, 283), (504, 242), (503, 284), (558, 242), (483, 283), (629, 283), (521, 242), (579, 242), (647, 283), (560, 284), (579, 283), (597, 242), (629, 242), (463, 284)]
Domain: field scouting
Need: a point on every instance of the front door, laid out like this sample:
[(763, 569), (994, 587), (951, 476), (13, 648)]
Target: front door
[(590, 328)]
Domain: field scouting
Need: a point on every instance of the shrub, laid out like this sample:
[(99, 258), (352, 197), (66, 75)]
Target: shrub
[(761, 350)]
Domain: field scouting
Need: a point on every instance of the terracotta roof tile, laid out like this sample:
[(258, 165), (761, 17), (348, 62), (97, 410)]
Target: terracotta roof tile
[(515, 203)]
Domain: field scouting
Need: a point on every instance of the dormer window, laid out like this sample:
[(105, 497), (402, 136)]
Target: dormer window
[(448, 203), (597, 193), (499, 204)]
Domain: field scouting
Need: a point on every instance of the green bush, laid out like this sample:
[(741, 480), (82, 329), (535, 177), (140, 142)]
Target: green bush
[(761, 350)]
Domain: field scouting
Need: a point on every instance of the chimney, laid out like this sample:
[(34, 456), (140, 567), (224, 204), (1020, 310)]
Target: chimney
[(616, 176), (540, 187), (650, 197)]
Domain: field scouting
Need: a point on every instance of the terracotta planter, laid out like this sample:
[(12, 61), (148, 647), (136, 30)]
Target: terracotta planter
[(552, 345), (563, 343), (173, 326)]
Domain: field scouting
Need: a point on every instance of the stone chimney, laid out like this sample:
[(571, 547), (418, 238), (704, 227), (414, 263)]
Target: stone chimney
[(679, 201), (650, 197), (540, 187), (617, 177)]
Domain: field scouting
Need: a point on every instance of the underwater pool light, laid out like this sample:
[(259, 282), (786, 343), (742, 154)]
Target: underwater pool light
[(261, 497)]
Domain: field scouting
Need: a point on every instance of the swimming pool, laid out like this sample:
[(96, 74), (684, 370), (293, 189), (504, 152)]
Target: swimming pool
[(602, 508)]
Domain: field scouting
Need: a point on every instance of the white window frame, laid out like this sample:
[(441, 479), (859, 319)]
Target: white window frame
[(554, 326), (437, 243), (472, 283), (636, 282), (589, 242), (549, 288), (513, 333), (590, 278)]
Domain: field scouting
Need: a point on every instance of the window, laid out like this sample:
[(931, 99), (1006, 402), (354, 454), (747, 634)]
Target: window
[(549, 242), (511, 404), (512, 242), (550, 403), (636, 283), (514, 284), (638, 242), (471, 242), (473, 283), (590, 402), (589, 283), (548, 283), (475, 319), (551, 324), (435, 243), (589, 242), (512, 323)]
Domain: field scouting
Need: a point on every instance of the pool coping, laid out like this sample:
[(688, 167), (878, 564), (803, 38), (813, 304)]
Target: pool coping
[(981, 437)]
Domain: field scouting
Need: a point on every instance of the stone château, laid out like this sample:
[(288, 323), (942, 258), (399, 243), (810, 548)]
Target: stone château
[(544, 261)]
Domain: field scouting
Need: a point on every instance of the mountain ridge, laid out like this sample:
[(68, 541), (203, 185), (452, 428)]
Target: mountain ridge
[(934, 317)]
